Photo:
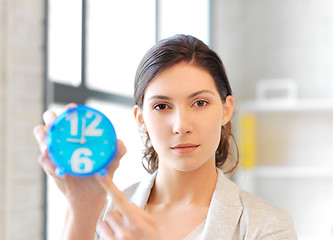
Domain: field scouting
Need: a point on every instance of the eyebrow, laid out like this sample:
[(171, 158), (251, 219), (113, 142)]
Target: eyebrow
[(200, 92), (191, 96)]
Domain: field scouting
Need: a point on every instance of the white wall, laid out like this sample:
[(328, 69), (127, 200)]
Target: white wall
[(21, 77), (268, 39), (263, 39)]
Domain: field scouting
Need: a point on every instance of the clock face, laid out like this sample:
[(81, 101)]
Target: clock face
[(81, 142)]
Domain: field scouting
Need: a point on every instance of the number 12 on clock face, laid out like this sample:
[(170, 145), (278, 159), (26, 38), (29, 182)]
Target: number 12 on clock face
[(81, 142)]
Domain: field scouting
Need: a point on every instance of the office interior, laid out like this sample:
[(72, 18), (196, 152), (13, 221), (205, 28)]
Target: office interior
[(278, 56)]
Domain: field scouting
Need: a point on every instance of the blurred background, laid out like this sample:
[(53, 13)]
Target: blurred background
[(279, 59)]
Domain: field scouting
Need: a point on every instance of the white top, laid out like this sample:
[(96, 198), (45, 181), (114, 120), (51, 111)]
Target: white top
[(196, 233)]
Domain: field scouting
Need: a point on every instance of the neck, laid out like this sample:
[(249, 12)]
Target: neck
[(177, 187)]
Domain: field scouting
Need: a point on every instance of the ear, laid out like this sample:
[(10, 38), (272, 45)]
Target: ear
[(139, 118), (228, 109)]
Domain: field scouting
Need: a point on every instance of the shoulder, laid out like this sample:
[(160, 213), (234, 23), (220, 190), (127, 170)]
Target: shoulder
[(258, 218), (252, 205), (255, 206), (264, 219), (260, 211)]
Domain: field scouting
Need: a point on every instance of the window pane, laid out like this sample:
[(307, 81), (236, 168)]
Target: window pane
[(118, 35), (56, 202), (185, 16), (122, 118), (64, 41), (56, 211)]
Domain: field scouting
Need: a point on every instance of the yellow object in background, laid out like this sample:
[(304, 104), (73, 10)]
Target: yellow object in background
[(248, 140)]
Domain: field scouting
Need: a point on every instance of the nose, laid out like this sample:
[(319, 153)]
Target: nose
[(181, 122)]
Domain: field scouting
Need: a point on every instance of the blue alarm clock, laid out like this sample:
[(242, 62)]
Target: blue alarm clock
[(81, 142)]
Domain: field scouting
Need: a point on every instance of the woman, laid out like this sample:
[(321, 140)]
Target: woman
[(183, 105)]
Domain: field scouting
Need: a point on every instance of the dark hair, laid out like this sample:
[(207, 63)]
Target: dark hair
[(167, 53)]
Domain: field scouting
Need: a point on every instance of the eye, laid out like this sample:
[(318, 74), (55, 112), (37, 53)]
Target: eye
[(200, 103), (161, 106)]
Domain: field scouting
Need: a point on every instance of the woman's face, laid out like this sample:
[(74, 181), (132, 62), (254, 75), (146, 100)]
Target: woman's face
[(183, 115)]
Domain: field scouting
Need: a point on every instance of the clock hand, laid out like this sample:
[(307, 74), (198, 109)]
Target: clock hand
[(83, 134), (73, 140)]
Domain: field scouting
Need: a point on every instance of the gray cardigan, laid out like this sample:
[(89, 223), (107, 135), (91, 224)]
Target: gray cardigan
[(233, 213)]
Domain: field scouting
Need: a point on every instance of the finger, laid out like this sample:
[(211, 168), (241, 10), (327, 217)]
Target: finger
[(125, 228), (121, 151), (39, 133), (105, 231), (70, 105), (115, 221), (48, 117), (113, 216), (47, 164), (118, 197), (106, 182), (111, 221)]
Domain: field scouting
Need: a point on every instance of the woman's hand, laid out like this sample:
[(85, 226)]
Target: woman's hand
[(86, 197), (128, 222), (77, 190)]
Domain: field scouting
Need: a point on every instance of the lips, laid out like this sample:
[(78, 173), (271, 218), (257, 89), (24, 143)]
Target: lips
[(185, 148)]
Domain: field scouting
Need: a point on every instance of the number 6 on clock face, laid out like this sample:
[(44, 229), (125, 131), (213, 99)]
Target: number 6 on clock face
[(81, 142)]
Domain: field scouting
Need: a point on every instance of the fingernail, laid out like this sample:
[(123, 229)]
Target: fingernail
[(38, 133), (37, 130), (48, 116)]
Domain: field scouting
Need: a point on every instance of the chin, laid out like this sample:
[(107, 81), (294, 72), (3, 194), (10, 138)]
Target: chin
[(188, 163), (190, 167)]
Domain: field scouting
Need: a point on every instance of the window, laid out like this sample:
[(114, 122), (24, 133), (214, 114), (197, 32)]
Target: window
[(184, 16), (64, 41), (93, 49), (118, 35)]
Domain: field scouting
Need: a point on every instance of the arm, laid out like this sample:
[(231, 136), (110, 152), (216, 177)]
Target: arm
[(79, 225)]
